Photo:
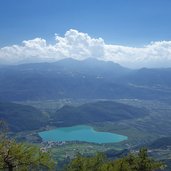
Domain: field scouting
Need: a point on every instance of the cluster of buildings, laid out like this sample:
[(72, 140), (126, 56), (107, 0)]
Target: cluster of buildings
[(50, 144)]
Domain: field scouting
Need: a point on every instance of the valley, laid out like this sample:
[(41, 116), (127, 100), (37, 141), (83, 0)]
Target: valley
[(141, 131), (102, 95), (85, 85)]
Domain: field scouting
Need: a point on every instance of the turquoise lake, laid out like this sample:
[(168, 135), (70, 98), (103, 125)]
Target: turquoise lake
[(81, 133)]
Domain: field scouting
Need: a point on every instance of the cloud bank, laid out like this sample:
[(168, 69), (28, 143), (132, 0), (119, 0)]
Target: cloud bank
[(78, 45)]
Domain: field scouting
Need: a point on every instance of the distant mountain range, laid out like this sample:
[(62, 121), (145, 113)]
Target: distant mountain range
[(89, 79)]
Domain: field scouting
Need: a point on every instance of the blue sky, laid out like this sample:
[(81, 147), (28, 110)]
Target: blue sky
[(125, 22), (133, 33)]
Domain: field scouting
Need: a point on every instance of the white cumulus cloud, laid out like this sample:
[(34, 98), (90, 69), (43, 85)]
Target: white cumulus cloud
[(78, 45)]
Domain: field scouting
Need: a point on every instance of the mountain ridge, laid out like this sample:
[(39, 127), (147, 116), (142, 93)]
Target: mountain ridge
[(101, 111), (89, 79)]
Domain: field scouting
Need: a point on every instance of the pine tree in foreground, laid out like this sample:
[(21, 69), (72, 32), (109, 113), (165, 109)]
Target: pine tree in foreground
[(132, 162), (21, 156)]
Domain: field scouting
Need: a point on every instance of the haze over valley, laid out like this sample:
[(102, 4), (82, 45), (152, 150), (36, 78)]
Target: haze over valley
[(85, 85)]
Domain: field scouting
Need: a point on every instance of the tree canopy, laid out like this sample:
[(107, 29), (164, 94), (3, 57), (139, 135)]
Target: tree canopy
[(21, 156), (132, 162)]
